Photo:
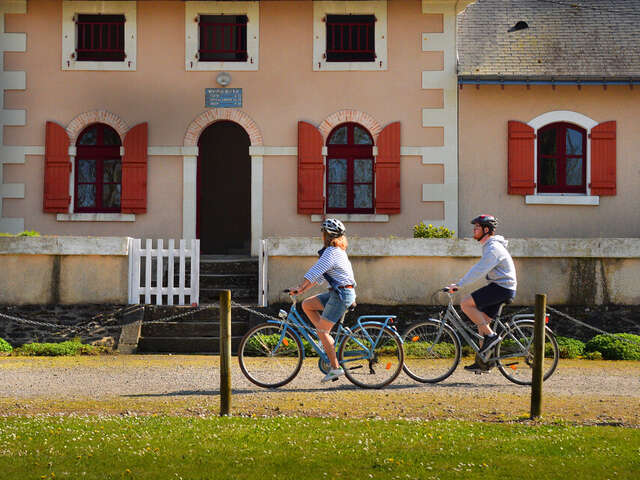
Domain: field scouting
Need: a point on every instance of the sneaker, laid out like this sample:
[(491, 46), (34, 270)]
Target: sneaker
[(477, 367), (489, 342), (333, 374)]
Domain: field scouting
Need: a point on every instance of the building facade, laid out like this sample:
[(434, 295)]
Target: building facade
[(228, 121)]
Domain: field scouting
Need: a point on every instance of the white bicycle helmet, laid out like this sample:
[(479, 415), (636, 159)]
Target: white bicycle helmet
[(334, 227)]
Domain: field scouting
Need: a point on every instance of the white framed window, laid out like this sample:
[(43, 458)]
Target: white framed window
[(99, 35), (213, 43), (562, 179), (331, 47)]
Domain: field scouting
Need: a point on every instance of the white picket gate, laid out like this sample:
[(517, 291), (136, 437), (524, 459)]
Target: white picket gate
[(162, 264)]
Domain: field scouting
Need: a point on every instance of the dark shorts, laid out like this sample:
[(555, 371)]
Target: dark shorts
[(489, 298)]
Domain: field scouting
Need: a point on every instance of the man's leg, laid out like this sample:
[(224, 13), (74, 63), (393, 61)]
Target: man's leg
[(312, 307), (481, 319)]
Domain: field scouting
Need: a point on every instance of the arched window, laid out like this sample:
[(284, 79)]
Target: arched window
[(98, 170), (562, 158), (350, 170)]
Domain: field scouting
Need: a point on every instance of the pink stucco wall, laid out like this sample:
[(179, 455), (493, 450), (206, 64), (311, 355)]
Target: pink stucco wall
[(484, 113), (283, 91)]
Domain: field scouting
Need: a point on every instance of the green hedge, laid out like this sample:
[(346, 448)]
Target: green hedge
[(5, 346), (620, 346), (26, 233), (68, 348), (569, 347)]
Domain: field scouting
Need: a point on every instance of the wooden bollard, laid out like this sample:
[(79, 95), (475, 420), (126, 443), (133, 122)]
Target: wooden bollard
[(538, 356), (225, 352)]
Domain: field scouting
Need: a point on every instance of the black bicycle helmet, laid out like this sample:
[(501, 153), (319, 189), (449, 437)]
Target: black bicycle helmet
[(488, 221), (334, 227)]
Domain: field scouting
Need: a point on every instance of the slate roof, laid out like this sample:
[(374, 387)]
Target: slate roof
[(566, 39)]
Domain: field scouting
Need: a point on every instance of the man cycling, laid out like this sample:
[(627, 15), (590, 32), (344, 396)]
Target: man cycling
[(483, 304)]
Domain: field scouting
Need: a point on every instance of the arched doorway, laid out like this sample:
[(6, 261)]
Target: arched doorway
[(223, 213)]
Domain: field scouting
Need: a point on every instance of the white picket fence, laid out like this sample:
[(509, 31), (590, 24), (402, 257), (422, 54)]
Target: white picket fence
[(153, 266)]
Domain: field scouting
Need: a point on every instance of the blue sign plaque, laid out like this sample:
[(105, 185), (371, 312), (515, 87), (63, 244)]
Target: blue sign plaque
[(222, 97)]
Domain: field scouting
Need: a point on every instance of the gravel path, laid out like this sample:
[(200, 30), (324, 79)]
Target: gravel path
[(586, 391)]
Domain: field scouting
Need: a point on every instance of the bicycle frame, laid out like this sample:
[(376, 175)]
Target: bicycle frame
[(461, 328), (299, 327)]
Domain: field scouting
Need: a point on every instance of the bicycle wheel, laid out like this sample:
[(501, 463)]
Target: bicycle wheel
[(269, 355), (372, 356), (431, 351), (516, 363)]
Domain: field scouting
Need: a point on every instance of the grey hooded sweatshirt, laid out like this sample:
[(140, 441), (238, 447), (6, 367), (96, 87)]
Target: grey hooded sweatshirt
[(496, 264)]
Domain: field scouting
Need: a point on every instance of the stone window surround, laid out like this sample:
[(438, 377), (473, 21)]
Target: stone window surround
[(321, 8), (70, 8), (563, 198), (192, 37)]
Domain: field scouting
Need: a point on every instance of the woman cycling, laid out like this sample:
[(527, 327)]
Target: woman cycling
[(325, 309)]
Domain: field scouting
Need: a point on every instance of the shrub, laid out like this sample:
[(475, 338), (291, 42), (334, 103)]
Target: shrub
[(569, 347), (68, 348), (5, 346), (619, 346), (26, 233), (421, 350), (593, 356), (429, 231)]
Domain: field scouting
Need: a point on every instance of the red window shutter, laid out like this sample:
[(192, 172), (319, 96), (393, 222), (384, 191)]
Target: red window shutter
[(134, 171), (388, 170), (57, 169), (521, 150), (310, 170), (603, 159)]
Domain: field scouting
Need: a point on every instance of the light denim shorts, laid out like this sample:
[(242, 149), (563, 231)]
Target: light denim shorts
[(336, 302)]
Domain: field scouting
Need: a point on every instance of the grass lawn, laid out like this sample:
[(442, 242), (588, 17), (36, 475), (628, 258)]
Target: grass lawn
[(169, 447)]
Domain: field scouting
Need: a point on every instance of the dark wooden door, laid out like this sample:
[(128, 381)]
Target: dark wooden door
[(224, 190)]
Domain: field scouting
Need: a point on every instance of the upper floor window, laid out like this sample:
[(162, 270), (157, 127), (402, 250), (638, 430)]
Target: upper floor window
[(98, 170), (562, 152), (100, 38), (223, 38), (351, 38), (350, 170), (350, 35)]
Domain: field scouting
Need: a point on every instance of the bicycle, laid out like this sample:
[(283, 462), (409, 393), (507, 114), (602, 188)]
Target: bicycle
[(433, 347), (271, 353)]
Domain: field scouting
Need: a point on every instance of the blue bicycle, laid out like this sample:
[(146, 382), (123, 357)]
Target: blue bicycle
[(371, 352)]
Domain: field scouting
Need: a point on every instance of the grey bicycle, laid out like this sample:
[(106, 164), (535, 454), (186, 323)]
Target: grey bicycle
[(433, 347)]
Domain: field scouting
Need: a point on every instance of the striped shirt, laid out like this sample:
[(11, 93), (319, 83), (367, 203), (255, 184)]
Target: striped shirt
[(335, 263)]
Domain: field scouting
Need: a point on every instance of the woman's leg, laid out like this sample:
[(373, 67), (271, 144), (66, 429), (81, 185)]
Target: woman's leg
[(313, 307)]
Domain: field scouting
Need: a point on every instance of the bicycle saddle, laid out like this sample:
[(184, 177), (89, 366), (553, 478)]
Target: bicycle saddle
[(352, 307), (508, 301)]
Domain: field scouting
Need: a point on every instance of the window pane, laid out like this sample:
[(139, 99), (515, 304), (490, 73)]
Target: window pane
[(548, 142), (111, 137), (89, 137), (574, 142), (574, 171), (339, 136), (112, 171), (337, 196), (548, 174), (363, 196), (86, 171), (361, 136), (86, 196), (337, 170), (363, 170), (111, 196)]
